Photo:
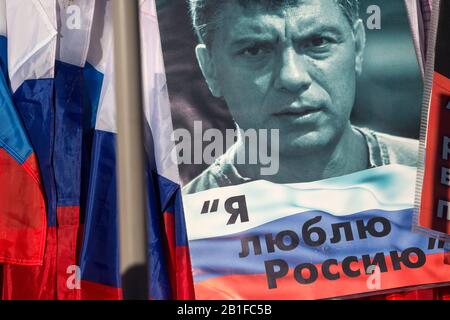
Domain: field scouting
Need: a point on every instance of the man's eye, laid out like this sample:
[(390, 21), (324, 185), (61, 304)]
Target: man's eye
[(319, 42), (255, 51), (319, 46)]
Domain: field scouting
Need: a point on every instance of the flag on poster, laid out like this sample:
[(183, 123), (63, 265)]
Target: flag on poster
[(300, 247)]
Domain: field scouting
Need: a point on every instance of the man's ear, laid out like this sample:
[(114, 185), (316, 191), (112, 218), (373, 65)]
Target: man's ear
[(360, 44), (208, 69)]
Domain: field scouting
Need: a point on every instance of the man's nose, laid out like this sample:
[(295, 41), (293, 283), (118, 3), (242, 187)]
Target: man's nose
[(293, 73)]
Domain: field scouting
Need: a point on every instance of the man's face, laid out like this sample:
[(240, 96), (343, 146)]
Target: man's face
[(293, 70)]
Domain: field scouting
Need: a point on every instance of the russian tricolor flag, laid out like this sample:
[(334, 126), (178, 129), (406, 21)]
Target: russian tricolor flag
[(45, 72), (62, 80), (302, 224), (169, 271), (23, 217), (30, 62)]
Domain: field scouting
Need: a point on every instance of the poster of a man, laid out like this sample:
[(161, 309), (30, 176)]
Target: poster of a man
[(312, 197)]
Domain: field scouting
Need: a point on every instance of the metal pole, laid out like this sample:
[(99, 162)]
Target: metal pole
[(131, 184)]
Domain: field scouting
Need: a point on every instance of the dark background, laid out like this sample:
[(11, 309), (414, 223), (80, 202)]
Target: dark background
[(389, 92)]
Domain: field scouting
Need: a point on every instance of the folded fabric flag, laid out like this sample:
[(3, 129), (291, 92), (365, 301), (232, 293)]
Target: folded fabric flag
[(31, 46), (169, 269), (22, 204)]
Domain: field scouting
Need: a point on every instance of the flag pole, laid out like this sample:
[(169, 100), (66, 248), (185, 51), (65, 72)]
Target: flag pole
[(130, 150)]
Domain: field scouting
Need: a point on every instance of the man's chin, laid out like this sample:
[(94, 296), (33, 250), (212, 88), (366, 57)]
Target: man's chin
[(304, 145)]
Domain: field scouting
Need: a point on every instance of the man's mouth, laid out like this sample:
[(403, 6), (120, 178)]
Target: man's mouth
[(298, 112)]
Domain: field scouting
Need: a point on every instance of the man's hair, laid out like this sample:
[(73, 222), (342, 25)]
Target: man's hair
[(205, 13)]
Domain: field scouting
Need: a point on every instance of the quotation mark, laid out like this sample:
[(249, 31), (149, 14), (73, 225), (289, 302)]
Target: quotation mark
[(207, 209), (432, 244)]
